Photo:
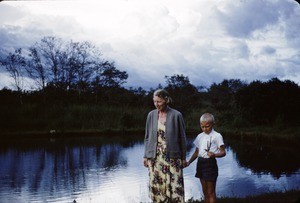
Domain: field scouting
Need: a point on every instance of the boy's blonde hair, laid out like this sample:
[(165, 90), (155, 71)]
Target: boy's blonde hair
[(207, 117)]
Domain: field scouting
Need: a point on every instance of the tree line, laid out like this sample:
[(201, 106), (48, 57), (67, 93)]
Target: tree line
[(72, 77), (69, 66)]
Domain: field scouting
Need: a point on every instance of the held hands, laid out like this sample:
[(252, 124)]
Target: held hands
[(188, 163), (184, 163), (145, 162)]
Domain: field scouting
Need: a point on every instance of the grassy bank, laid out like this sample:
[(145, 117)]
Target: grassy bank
[(273, 197), (32, 120), (84, 119)]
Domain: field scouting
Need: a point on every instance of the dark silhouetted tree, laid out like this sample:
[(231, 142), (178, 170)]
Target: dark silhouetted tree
[(15, 65), (270, 103), (50, 48), (111, 76), (222, 95), (35, 68), (182, 91)]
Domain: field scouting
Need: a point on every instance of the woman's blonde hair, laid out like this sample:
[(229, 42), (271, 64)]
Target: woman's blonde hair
[(163, 94)]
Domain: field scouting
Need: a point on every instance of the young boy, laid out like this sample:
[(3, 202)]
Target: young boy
[(209, 146)]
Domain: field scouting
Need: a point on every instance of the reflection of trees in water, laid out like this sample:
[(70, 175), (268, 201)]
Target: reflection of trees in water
[(19, 166), (57, 167), (37, 170), (111, 156), (263, 158)]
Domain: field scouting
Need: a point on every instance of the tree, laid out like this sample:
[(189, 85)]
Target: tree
[(177, 81), (50, 49), (138, 96), (15, 65), (222, 95), (107, 79), (222, 99), (83, 62), (270, 103), (182, 91), (36, 69), (110, 76), (65, 69)]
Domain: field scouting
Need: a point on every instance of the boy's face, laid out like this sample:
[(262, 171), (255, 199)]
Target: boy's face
[(206, 126)]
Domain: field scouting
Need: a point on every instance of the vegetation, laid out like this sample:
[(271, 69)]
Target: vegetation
[(292, 196), (75, 90)]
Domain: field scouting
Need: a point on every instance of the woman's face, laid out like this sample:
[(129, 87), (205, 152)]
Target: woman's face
[(159, 103)]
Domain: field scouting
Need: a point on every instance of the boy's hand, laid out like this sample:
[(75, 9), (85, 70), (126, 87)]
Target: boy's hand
[(211, 154)]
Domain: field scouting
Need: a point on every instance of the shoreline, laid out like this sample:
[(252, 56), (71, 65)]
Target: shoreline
[(262, 139), (243, 135), (292, 196)]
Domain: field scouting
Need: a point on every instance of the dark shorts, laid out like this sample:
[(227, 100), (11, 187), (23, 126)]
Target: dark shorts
[(207, 169)]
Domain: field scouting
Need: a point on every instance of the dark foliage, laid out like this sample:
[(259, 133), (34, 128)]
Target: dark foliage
[(272, 102), (73, 73)]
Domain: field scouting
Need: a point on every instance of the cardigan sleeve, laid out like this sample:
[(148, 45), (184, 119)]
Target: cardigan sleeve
[(175, 134), (182, 137), (147, 133), (150, 140)]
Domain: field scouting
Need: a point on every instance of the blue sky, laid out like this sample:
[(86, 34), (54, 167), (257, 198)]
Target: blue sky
[(206, 40)]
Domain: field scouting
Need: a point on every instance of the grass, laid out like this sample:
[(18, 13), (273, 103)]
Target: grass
[(39, 120), (292, 196)]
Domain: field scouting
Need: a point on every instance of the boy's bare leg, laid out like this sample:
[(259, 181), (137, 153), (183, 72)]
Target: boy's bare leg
[(209, 191)]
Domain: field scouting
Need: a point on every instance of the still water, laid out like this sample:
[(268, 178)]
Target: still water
[(110, 169)]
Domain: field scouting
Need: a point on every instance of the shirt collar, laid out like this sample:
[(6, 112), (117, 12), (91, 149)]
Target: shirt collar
[(211, 133)]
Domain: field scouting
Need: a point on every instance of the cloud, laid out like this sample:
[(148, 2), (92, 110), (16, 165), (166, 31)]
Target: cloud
[(242, 18), (208, 41), (268, 50), (6, 81)]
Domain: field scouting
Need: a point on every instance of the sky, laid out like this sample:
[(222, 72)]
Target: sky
[(206, 40)]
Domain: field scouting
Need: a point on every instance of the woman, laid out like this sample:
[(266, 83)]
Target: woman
[(165, 150)]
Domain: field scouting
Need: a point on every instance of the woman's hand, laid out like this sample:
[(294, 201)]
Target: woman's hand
[(145, 162), (184, 163)]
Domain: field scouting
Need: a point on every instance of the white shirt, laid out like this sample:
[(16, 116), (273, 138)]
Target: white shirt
[(208, 142)]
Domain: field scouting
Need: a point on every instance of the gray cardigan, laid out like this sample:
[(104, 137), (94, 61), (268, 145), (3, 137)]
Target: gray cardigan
[(175, 134)]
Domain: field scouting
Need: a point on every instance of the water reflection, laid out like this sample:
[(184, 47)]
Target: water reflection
[(110, 170), (266, 159), (55, 167)]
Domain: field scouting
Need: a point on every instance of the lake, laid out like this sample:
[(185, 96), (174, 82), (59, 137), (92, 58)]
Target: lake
[(109, 169)]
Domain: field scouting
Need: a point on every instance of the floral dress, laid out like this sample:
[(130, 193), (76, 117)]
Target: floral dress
[(166, 176)]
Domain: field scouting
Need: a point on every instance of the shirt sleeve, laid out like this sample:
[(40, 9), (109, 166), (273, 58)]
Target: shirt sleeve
[(220, 140), (196, 142)]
